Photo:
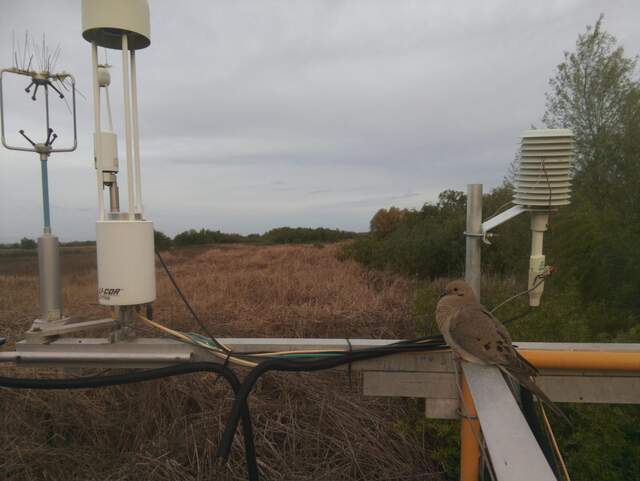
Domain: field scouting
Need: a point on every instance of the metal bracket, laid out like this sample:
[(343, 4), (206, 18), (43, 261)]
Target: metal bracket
[(41, 331), (499, 219)]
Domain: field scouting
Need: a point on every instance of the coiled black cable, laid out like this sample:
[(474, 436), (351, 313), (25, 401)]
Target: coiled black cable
[(278, 364), (148, 375)]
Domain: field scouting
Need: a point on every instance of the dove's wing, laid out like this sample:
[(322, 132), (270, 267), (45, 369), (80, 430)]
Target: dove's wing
[(474, 329)]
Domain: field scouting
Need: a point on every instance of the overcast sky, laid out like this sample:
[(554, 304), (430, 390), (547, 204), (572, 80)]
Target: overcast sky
[(303, 113)]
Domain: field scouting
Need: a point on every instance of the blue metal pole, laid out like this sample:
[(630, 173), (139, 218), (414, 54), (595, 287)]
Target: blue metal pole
[(45, 194)]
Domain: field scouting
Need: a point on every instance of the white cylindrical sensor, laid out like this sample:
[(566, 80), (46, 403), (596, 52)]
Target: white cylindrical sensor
[(106, 21), (105, 146), (104, 77), (126, 262)]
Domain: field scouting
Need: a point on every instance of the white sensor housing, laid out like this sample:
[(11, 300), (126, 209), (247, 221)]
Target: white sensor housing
[(126, 262), (543, 183), (125, 250), (105, 146), (543, 177)]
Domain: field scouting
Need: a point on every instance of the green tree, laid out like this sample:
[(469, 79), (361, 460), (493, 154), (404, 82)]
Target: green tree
[(594, 93), (590, 94), (305, 235), (385, 221), (162, 241), (26, 243)]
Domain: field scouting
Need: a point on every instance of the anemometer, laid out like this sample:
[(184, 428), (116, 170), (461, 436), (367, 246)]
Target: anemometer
[(51, 309)]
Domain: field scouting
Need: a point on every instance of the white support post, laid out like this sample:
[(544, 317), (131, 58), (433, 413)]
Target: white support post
[(127, 125), (108, 102), (136, 132), (537, 262), (96, 127)]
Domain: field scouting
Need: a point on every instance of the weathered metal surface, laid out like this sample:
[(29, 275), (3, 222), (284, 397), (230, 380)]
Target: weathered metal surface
[(514, 451)]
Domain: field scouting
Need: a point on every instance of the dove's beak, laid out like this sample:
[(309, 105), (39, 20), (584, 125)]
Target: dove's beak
[(443, 293)]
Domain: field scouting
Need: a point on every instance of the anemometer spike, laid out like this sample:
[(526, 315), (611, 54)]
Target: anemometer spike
[(54, 88), (24, 50), (28, 139)]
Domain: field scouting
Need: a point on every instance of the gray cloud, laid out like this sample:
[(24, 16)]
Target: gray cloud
[(260, 114)]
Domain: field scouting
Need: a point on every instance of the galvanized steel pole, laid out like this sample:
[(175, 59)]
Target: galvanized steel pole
[(473, 233), (469, 427)]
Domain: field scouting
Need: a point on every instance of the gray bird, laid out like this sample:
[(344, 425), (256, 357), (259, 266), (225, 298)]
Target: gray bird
[(477, 336)]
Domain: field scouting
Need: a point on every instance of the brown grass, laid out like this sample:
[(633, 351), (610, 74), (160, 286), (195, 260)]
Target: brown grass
[(308, 426)]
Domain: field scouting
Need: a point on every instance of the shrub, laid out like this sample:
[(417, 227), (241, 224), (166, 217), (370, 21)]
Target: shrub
[(161, 240), (26, 243)]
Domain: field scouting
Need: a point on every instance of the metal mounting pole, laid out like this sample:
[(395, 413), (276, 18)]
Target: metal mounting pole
[(48, 245), (469, 425), (48, 258), (45, 192), (473, 233), (49, 276)]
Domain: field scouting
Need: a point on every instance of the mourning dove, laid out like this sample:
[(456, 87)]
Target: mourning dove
[(477, 336)]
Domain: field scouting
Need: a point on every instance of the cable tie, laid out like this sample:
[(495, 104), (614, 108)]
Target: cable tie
[(465, 416), (349, 370)]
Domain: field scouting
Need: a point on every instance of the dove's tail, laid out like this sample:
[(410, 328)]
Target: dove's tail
[(529, 384)]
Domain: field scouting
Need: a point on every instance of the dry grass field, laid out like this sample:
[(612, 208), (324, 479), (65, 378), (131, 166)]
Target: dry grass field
[(307, 426)]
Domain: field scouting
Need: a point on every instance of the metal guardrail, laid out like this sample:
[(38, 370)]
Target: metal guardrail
[(601, 373)]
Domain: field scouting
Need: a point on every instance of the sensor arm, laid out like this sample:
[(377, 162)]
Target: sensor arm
[(499, 219)]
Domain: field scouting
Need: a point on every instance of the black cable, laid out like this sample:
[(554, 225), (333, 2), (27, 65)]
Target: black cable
[(186, 303), (519, 316), (530, 412), (148, 375), (287, 365)]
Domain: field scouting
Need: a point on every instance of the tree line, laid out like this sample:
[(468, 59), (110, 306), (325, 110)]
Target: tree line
[(594, 241), (194, 237), (280, 235)]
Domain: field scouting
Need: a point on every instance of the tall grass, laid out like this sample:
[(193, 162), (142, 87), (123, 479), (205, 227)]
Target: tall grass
[(308, 426)]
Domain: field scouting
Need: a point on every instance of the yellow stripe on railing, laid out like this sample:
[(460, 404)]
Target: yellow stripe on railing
[(579, 360)]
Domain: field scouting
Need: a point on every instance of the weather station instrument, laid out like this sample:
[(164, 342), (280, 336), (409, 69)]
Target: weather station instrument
[(542, 184), (41, 82), (124, 239), (126, 283)]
